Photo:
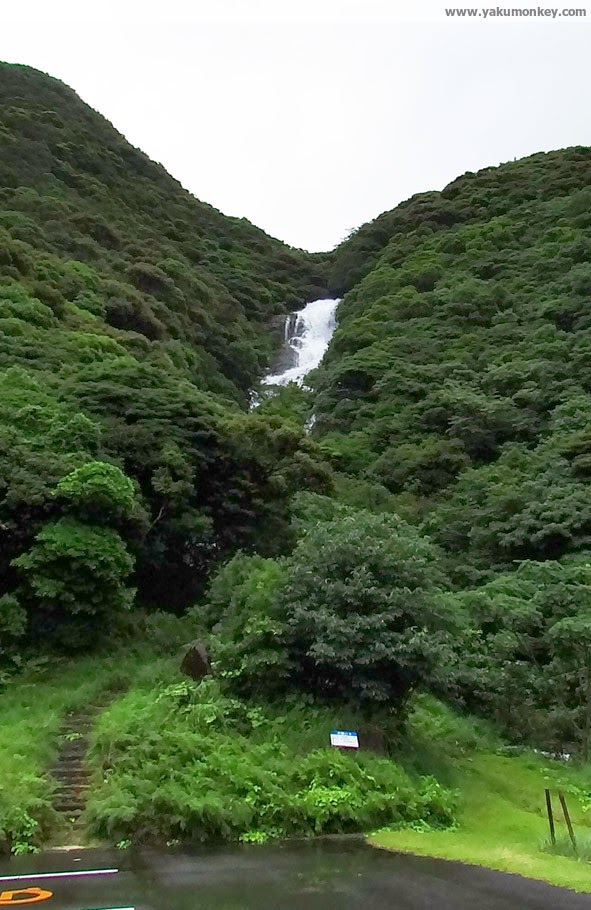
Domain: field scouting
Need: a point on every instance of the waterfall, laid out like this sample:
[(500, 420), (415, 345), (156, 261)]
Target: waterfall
[(307, 336)]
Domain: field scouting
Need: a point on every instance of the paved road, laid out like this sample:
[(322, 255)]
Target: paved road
[(328, 875)]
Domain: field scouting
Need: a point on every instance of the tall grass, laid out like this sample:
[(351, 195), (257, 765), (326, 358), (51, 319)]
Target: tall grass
[(564, 847), (32, 708)]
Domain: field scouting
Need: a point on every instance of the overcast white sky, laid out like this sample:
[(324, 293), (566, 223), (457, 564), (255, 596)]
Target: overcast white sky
[(310, 117)]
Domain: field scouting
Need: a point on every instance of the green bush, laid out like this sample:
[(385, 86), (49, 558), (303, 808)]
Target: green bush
[(75, 582), (362, 609), (190, 763)]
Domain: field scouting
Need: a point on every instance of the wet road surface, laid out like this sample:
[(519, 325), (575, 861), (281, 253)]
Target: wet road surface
[(319, 875)]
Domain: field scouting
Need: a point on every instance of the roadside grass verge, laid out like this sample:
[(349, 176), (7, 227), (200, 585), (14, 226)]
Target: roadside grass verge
[(564, 847), (501, 818)]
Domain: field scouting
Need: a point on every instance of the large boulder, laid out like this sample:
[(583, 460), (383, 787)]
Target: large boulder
[(195, 662)]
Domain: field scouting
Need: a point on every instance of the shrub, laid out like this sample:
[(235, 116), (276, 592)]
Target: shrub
[(362, 609), (75, 582), (189, 763)]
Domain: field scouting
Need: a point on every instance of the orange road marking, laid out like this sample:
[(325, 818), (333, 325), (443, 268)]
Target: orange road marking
[(27, 896)]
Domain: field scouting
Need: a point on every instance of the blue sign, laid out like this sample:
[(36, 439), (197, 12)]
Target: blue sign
[(344, 739)]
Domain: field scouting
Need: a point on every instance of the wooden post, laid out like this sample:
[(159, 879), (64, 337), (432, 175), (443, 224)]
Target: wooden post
[(569, 824), (550, 817)]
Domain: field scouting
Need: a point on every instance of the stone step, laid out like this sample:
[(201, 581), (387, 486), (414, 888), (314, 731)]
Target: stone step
[(79, 792), (72, 786), (71, 778), (63, 804), (86, 714), (74, 752), (72, 773), (80, 783), (69, 766), (73, 769)]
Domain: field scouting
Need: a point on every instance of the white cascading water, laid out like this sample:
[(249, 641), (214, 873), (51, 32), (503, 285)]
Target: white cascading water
[(307, 336)]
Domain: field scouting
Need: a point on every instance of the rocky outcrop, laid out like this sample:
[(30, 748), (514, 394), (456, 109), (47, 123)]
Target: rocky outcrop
[(195, 662)]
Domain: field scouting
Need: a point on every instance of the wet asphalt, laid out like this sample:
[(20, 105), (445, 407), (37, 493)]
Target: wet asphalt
[(318, 875)]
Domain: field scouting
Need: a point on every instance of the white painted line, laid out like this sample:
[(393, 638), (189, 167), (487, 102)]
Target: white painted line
[(40, 875)]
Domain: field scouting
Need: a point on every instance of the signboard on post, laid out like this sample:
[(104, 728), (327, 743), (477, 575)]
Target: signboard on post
[(344, 739)]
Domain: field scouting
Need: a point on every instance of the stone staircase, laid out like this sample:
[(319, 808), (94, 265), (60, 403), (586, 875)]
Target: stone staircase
[(70, 770)]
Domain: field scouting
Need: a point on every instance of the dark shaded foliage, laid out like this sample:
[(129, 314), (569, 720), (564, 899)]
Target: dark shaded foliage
[(460, 368), (134, 320)]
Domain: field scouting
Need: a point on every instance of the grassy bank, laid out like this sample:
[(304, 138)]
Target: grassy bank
[(501, 820), (32, 709), (31, 712), (184, 762), (175, 761)]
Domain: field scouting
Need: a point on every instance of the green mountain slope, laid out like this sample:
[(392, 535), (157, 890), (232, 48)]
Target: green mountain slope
[(134, 320), (162, 263), (460, 374)]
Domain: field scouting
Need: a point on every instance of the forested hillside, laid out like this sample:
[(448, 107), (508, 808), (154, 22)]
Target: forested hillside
[(420, 551), (460, 372), (134, 320), (460, 378)]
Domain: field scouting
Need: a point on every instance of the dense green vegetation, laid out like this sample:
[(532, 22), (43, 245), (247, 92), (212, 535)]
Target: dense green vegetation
[(31, 714), (353, 614), (134, 320), (430, 535), (459, 378), (183, 761)]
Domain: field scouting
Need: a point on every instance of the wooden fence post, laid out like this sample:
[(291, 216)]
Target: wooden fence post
[(550, 817), (569, 825)]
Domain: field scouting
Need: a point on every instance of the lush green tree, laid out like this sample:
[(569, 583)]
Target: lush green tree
[(99, 492), (524, 656), (13, 621), (249, 642), (363, 610), (41, 440), (423, 467), (75, 581)]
